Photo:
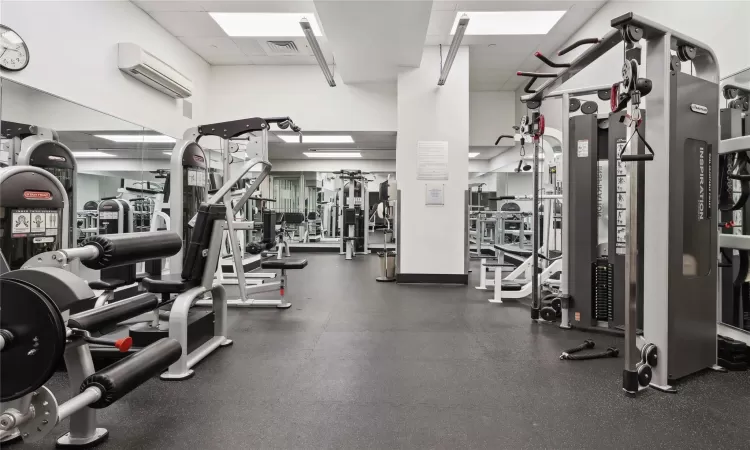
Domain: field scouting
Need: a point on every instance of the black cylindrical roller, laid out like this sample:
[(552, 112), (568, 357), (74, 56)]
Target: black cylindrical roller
[(129, 248), (127, 374), (114, 313)]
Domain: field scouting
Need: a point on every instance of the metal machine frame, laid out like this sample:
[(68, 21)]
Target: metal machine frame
[(224, 195), (669, 279), (346, 245)]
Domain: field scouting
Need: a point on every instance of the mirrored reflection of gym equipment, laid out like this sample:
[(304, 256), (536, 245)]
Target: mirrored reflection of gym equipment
[(354, 223)]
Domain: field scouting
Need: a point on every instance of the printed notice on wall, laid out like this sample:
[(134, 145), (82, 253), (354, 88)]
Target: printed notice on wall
[(434, 194), (432, 160)]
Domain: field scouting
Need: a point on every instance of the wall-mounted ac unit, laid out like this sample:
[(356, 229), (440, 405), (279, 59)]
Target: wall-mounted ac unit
[(147, 68)]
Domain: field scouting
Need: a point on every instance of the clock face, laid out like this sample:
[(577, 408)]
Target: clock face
[(14, 54)]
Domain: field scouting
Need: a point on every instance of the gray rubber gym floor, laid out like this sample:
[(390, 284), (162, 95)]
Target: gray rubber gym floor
[(360, 364)]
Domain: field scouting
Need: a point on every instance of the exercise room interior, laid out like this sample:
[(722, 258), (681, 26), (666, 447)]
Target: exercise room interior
[(374, 224)]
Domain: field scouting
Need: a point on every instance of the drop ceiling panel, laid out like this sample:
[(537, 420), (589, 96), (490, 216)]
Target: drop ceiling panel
[(216, 49), (443, 5), (257, 6), (527, 5), (441, 22), (189, 24), (283, 60), (155, 6), (249, 46)]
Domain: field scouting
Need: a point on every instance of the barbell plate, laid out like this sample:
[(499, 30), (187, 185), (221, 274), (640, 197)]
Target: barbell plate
[(38, 339)]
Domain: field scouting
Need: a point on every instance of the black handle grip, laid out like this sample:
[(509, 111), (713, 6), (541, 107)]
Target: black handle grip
[(122, 249), (527, 89), (550, 63), (645, 157), (127, 374), (503, 136), (577, 44), (503, 197), (536, 74), (740, 177), (99, 318)]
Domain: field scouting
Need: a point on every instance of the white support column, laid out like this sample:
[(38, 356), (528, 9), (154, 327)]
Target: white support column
[(433, 238)]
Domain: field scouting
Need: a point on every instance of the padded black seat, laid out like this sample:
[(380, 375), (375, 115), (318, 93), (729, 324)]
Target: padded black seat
[(284, 264), (513, 250), (195, 256), (172, 283), (107, 284), (511, 286), (497, 264)]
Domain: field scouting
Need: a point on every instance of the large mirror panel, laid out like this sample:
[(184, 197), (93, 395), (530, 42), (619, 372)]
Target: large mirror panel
[(103, 164)]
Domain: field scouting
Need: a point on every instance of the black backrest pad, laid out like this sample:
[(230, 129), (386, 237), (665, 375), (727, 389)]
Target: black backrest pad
[(195, 262)]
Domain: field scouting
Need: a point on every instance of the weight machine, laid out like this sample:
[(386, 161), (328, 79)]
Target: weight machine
[(679, 251), (32, 145), (227, 131), (354, 213)]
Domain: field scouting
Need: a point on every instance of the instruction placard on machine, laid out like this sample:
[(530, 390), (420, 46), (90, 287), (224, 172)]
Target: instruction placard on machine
[(583, 148), (26, 222)]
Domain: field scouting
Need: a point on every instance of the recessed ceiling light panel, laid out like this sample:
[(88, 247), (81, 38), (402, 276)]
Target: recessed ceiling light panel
[(137, 139), (473, 154), (490, 23), (264, 24), (316, 139), (340, 155), (93, 155)]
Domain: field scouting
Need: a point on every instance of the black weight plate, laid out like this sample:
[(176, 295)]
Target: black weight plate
[(548, 313), (589, 107), (644, 375), (38, 339)]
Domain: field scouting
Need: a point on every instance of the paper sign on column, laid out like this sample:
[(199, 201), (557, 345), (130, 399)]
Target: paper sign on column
[(434, 194), (432, 160)]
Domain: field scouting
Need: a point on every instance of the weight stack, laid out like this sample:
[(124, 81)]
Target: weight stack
[(733, 355), (603, 290)]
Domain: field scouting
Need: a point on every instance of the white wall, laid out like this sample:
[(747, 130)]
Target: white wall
[(491, 114), (27, 105), (87, 189), (521, 184), (489, 178), (430, 113), (301, 93), (73, 48)]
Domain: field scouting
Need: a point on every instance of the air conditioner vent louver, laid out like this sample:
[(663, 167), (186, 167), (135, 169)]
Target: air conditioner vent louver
[(283, 47)]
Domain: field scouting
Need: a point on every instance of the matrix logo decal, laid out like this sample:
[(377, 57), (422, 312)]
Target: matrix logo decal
[(700, 109), (56, 158), (37, 195), (198, 159), (701, 183)]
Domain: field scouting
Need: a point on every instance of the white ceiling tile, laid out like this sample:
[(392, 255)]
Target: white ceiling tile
[(190, 24), (283, 60), (443, 5), (258, 5), (527, 5), (208, 47), (228, 60), (249, 46), (437, 40), (441, 23), (173, 5)]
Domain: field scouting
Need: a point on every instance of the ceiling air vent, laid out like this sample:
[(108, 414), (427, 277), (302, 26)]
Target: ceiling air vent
[(282, 48)]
